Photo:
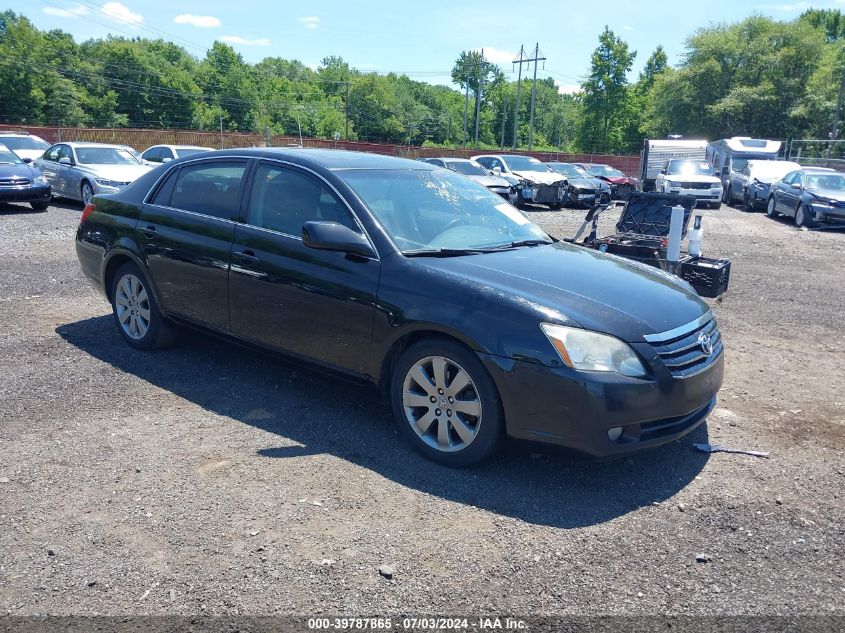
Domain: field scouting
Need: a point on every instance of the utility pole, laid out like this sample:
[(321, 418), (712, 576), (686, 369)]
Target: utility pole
[(536, 58), (834, 131), (466, 111), (478, 89), (221, 131), (346, 113), (504, 119), (519, 60)]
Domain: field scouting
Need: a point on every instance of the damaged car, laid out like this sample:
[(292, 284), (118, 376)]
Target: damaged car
[(583, 189), (537, 182), (621, 186), (501, 186)]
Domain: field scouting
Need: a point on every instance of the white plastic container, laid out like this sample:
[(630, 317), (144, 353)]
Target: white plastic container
[(695, 237)]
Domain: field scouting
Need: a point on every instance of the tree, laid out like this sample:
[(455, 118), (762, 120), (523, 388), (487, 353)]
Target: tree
[(605, 113)]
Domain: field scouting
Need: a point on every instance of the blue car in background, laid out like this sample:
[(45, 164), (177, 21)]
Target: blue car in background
[(21, 182)]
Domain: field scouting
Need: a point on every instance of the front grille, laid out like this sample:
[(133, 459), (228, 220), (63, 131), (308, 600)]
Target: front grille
[(548, 193), (681, 350), (695, 185), (14, 182)]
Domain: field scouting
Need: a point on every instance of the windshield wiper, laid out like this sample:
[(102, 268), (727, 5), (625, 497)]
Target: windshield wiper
[(444, 252), (534, 242)]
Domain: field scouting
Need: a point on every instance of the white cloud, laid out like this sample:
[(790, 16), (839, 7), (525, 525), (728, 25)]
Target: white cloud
[(567, 89), (72, 12), (627, 27), (236, 39), (496, 55), (200, 21), (310, 21), (121, 13)]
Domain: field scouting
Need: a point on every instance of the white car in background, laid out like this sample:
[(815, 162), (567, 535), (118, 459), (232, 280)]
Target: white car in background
[(753, 181), (167, 153), (537, 182), (24, 144), (690, 178)]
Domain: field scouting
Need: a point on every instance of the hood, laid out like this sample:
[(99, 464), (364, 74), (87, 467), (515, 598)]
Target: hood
[(120, 173), (583, 183), (693, 178), (828, 194), (601, 292), (28, 153), (18, 171), (490, 181), (541, 177), (620, 180)]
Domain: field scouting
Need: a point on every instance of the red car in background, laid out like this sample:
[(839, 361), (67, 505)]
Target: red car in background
[(621, 186)]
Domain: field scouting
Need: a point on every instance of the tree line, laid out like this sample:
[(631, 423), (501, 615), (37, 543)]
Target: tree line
[(758, 77)]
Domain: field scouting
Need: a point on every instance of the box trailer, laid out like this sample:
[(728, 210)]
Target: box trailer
[(657, 152)]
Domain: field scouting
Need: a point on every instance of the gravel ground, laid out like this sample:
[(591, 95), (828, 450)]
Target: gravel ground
[(206, 479)]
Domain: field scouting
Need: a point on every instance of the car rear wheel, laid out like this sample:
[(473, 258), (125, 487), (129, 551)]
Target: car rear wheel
[(770, 208), (135, 311), (804, 217), (446, 404), (87, 192), (554, 206), (39, 206)]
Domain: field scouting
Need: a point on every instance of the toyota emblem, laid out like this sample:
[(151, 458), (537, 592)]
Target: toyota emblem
[(706, 343)]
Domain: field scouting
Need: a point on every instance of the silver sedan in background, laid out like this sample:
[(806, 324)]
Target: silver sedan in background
[(79, 170)]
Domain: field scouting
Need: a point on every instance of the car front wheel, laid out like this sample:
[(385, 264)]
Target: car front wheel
[(39, 205), (804, 217), (446, 404), (136, 312), (770, 208), (87, 192)]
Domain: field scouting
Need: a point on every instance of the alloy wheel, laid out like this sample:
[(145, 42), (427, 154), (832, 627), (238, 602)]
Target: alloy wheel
[(87, 193), (770, 207), (133, 307), (441, 404)]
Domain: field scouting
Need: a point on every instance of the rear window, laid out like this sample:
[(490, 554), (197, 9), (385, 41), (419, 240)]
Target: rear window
[(23, 142)]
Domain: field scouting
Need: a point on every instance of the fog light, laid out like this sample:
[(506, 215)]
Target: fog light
[(614, 433)]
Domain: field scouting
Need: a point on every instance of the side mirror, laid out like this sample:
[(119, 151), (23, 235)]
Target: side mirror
[(27, 160), (796, 185), (331, 236), (497, 170), (166, 159), (663, 171), (64, 160)]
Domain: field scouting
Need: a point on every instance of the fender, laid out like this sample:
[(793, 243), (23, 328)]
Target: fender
[(127, 247)]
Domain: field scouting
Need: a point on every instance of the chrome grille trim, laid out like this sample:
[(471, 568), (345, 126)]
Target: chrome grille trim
[(681, 330)]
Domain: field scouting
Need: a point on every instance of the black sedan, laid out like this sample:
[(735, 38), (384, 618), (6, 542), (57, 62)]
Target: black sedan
[(583, 189), (475, 323), (21, 182), (811, 196)]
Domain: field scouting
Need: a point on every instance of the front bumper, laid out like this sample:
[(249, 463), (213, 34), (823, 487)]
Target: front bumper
[(829, 215), (39, 193), (583, 197), (576, 409), (704, 195), (544, 194), (508, 193)]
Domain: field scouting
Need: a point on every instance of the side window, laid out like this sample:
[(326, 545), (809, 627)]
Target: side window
[(52, 153), (153, 155), (283, 200), (210, 188), (165, 190), (484, 161), (746, 171), (65, 152), (791, 178), (495, 162)]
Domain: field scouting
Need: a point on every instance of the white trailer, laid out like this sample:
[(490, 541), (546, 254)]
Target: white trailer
[(729, 155), (657, 152)]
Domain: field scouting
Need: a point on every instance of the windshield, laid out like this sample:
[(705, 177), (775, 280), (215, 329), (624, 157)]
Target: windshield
[(570, 170), (833, 182), (105, 156), (524, 163), (605, 170), (188, 151), (423, 210), (772, 169), (23, 142), (8, 156), (467, 168), (688, 168)]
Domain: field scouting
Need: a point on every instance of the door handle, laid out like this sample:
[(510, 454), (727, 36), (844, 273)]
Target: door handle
[(149, 231), (247, 256)]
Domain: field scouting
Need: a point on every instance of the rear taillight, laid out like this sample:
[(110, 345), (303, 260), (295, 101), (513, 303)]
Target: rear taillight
[(88, 210)]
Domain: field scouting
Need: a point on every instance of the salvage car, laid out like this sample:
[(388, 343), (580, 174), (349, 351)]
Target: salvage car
[(537, 182), (583, 188), (21, 182), (690, 178), (475, 323), (753, 181), (621, 186), (474, 171), (811, 196), (166, 153), (24, 144), (80, 170)]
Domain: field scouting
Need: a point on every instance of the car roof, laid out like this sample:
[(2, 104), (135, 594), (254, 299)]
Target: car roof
[(817, 170), (177, 146), (327, 158), (89, 144)]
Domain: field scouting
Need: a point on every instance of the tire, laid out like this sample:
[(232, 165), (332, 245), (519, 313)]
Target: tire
[(86, 191), (555, 206), (770, 208), (802, 218), (747, 203), (623, 192), (143, 327), (520, 201), (39, 206), (727, 196), (452, 437)]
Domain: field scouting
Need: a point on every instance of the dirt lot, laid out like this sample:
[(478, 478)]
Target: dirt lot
[(204, 478)]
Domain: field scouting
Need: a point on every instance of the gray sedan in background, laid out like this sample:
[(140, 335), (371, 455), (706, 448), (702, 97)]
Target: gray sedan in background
[(80, 170)]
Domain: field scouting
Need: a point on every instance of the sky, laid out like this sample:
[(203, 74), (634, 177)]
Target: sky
[(421, 39)]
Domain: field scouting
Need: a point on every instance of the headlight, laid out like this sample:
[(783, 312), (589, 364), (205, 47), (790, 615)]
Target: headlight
[(591, 351), (40, 180), (109, 183), (525, 183)]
